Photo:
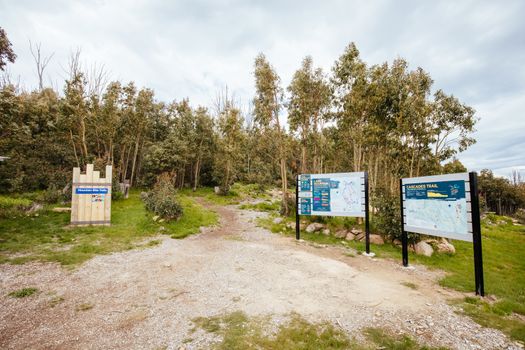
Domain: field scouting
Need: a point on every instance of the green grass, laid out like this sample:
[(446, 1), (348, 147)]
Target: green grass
[(267, 206), (22, 293), (238, 193), (503, 263), (49, 238), (238, 331), (193, 218)]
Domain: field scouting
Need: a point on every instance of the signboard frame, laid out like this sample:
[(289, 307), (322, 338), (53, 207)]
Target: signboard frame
[(299, 184), (473, 226)]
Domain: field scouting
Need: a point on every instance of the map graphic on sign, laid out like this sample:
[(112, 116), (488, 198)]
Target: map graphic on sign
[(340, 194), (437, 208)]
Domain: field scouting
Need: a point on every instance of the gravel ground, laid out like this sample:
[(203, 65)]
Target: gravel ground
[(146, 299)]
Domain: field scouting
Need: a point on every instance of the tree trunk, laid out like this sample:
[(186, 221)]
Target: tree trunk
[(135, 153), (74, 147)]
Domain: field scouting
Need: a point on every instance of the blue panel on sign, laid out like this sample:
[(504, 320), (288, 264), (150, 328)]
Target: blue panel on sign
[(321, 194), (88, 190), (442, 190), (305, 206), (304, 183)]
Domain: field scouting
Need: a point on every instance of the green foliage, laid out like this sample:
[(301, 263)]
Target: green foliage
[(387, 220), (263, 206), (6, 50), (24, 292), (500, 195), (10, 206), (162, 201)]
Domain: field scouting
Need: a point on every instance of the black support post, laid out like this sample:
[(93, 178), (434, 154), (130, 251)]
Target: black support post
[(367, 217), (476, 234), (297, 210), (404, 236)]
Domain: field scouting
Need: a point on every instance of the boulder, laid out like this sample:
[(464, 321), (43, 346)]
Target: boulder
[(376, 239), (423, 248), (350, 236), (445, 246), (341, 233), (277, 220), (314, 227), (397, 243), (326, 232), (291, 225), (217, 190), (356, 231), (35, 207)]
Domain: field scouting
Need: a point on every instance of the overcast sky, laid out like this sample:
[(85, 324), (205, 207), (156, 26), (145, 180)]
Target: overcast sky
[(472, 49)]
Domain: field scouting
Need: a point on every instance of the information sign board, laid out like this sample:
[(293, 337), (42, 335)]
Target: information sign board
[(336, 194), (438, 206)]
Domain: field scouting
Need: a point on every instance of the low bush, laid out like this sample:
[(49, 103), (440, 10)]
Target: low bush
[(10, 206), (387, 219), (161, 200)]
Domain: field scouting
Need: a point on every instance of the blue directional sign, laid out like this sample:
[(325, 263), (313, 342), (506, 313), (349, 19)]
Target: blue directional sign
[(90, 190)]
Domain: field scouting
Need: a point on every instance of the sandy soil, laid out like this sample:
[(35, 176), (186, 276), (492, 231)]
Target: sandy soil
[(146, 299)]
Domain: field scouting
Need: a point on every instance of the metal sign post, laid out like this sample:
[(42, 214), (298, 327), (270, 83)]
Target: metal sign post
[(297, 210), (476, 234), (367, 216), (404, 236)]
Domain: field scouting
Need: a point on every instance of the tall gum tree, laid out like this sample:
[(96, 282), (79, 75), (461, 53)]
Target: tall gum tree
[(309, 99), (267, 105)]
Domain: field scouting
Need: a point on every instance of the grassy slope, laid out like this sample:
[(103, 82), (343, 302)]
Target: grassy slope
[(48, 237), (503, 262)]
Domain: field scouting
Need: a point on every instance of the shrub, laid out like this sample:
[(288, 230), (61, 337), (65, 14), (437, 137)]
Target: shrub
[(388, 216), (161, 200), (10, 206)]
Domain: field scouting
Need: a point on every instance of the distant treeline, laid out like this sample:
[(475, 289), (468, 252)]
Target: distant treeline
[(380, 118)]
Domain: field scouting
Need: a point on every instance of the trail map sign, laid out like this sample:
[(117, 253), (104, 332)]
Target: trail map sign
[(438, 206), (336, 194), (91, 197), (444, 206)]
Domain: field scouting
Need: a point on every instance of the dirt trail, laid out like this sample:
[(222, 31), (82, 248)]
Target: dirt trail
[(145, 299)]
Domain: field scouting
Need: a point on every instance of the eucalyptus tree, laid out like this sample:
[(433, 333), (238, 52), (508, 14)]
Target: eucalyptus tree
[(228, 159), (268, 102), (309, 100), (6, 50)]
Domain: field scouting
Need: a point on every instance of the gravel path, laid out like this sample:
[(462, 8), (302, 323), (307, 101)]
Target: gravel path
[(145, 299)]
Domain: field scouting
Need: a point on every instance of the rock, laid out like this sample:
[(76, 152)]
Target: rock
[(217, 190), (360, 236), (61, 210), (161, 220), (35, 207), (326, 232), (397, 243), (356, 231), (376, 239), (423, 248), (350, 236), (445, 246), (314, 227), (341, 233), (155, 218), (291, 225), (277, 220)]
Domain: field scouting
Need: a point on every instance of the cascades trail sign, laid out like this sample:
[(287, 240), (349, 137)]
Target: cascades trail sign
[(443, 206)]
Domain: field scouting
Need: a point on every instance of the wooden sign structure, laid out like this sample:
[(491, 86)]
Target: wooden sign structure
[(91, 197)]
